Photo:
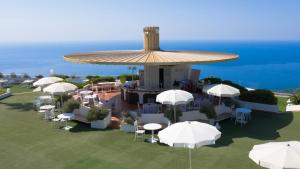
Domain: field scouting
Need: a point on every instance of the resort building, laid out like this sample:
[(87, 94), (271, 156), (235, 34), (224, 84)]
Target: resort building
[(163, 69)]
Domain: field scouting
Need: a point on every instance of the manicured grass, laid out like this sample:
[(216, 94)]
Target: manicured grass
[(27, 141), (20, 89)]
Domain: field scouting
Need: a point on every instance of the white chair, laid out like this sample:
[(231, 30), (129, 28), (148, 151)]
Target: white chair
[(240, 118), (56, 121), (51, 114), (42, 113), (139, 133)]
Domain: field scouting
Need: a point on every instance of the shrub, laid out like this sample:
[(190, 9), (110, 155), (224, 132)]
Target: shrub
[(215, 80), (97, 113), (64, 98), (26, 76), (129, 120), (13, 75), (212, 80), (60, 76), (259, 96), (230, 83), (97, 79), (209, 110), (170, 114), (39, 76), (229, 102), (70, 105), (295, 99), (2, 90), (79, 85), (127, 77)]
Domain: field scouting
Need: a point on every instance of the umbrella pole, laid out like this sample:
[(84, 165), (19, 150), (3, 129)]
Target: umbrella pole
[(190, 158), (61, 104), (174, 107)]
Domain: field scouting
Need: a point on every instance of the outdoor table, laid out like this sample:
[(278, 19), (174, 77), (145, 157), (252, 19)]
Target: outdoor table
[(245, 111), (152, 127), (86, 92), (47, 107), (66, 117), (89, 97)]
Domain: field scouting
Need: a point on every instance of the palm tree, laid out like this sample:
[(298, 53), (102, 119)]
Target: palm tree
[(132, 68)]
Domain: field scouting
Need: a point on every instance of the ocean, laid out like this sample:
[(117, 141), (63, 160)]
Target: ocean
[(268, 65)]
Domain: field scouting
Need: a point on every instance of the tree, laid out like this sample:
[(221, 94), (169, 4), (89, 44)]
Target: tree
[(13, 75)]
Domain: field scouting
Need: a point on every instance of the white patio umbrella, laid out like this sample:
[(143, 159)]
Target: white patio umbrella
[(174, 97), (189, 134), (60, 89), (3, 80), (38, 89), (221, 90), (47, 81), (27, 81), (277, 155)]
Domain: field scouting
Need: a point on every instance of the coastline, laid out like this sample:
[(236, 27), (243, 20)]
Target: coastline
[(272, 65)]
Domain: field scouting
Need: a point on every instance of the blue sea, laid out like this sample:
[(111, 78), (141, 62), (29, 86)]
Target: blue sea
[(269, 65)]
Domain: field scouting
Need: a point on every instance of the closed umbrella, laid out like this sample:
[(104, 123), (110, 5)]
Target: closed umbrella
[(60, 89), (277, 155), (174, 97), (189, 134), (47, 81)]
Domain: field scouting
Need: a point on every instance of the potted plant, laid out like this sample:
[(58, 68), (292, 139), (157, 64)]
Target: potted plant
[(71, 105), (169, 113), (210, 112), (99, 117), (127, 125), (295, 99)]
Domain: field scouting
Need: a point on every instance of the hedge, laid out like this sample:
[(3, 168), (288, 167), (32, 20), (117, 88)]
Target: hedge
[(61, 76), (2, 90), (216, 80), (259, 96), (97, 79), (230, 83), (128, 77)]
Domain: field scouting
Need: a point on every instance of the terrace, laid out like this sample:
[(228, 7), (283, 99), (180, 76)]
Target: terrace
[(29, 142)]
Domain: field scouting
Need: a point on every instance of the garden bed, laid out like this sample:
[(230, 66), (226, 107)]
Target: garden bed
[(4, 95)]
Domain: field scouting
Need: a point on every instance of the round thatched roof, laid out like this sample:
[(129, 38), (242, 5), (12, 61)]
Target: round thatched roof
[(151, 55)]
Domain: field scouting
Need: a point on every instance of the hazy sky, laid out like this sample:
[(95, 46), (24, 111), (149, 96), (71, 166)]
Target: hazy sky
[(98, 20)]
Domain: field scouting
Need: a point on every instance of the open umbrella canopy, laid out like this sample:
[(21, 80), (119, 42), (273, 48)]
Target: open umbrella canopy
[(221, 90), (46, 81), (174, 97), (27, 81), (3, 80), (189, 134), (277, 155), (60, 88)]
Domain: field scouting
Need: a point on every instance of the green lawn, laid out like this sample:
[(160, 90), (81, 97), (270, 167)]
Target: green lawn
[(28, 142)]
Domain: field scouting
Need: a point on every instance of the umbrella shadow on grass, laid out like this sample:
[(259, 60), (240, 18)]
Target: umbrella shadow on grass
[(84, 127), (262, 126), (19, 106)]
